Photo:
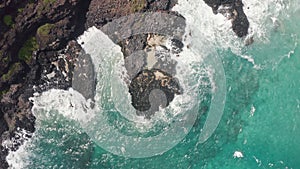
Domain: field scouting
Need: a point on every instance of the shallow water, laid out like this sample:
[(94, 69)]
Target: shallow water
[(261, 117)]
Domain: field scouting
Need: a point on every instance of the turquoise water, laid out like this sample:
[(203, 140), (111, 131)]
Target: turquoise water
[(261, 118)]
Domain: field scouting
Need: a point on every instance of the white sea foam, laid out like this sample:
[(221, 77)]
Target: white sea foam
[(70, 104), (73, 105), (215, 28), (238, 154), (252, 111), (18, 159), (111, 88), (261, 13)]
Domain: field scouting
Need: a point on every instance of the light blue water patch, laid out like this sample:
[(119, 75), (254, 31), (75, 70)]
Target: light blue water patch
[(261, 119), (270, 135)]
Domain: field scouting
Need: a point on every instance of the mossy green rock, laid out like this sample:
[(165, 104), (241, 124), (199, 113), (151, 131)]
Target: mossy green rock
[(44, 36), (7, 19), (2, 92), (44, 30), (49, 1), (11, 72), (25, 53), (138, 5)]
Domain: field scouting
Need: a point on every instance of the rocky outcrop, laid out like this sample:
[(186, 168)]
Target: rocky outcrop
[(18, 43), (233, 10), (240, 23), (37, 52), (144, 83), (102, 12), (34, 58)]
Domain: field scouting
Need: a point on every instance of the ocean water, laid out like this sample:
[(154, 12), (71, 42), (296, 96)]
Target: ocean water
[(259, 126)]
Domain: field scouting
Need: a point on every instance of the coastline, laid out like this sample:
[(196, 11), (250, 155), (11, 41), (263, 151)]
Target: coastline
[(47, 61)]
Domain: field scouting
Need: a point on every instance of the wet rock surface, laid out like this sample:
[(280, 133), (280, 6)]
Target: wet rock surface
[(233, 10), (52, 69), (143, 86), (47, 60), (152, 73), (38, 52), (84, 80)]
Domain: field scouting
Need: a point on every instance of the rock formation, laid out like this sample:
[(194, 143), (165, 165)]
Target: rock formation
[(233, 10), (38, 51)]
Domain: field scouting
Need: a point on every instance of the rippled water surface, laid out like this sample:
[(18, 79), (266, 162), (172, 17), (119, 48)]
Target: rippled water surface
[(261, 118)]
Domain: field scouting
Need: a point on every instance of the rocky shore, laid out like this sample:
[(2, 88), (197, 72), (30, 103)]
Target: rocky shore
[(233, 10), (38, 48), (33, 37)]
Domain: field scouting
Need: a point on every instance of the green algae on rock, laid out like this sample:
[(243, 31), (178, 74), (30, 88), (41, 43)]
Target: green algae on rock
[(44, 30), (7, 19), (138, 5), (12, 71), (2, 92), (43, 35), (49, 1), (25, 53)]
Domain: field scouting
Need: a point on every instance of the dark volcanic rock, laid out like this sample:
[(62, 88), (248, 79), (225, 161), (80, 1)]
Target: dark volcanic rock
[(3, 124), (46, 27), (46, 63), (3, 154), (240, 23), (66, 16), (234, 9), (147, 80), (101, 12), (84, 76), (160, 5), (56, 67), (15, 110), (104, 11), (133, 43)]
